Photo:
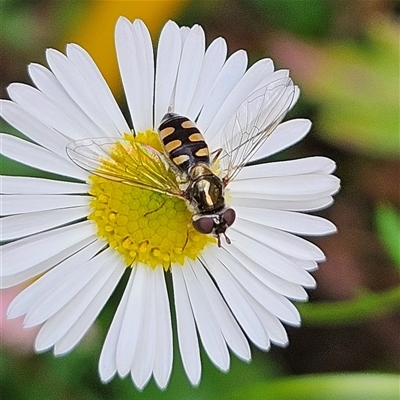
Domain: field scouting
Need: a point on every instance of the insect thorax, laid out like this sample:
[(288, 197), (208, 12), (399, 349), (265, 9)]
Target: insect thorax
[(206, 190)]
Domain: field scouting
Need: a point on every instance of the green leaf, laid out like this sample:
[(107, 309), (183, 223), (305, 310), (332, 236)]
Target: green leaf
[(388, 226), (326, 387), (367, 305)]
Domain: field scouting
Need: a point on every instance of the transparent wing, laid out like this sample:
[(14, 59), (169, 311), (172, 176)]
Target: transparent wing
[(127, 162), (254, 121)]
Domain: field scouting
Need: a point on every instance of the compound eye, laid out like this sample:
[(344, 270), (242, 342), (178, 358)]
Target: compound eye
[(204, 224), (229, 216)]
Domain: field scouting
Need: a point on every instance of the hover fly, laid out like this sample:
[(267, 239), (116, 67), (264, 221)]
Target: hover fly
[(185, 168)]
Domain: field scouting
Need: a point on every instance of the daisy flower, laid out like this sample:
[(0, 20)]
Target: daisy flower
[(73, 238)]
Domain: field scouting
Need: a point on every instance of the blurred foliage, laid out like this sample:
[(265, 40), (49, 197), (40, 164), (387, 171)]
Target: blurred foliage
[(325, 387), (349, 76), (357, 89), (351, 312), (16, 20), (75, 377), (388, 225), (316, 15)]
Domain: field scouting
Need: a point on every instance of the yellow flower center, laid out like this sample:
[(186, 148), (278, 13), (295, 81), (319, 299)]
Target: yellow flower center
[(144, 226)]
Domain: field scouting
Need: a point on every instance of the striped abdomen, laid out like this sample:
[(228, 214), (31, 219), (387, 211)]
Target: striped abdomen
[(183, 142)]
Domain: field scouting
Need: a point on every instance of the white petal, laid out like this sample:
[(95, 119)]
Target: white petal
[(146, 60), (272, 326), (87, 316), (27, 203), (82, 60), (271, 260), (17, 226), (43, 266), (229, 327), (300, 187), (254, 76), (27, 185), (273, 302), (308, 265), (48, 112), (28, 124), (187, 336), (81, 91), (45, 284), (145, 350), (168, 56), (66, 327), (208, 328), (132, 324), (294, 222), (164, 353), (285, 135), (284, 242), (236, 298), (189, 69), (301, 166), (184, 32), (51, 87), (213, 61), (42, 246), (64, 291), (295, 97), (296, 205), (258, 114), (108, 360), (228, 77), (279, 285), (38, 157), (135, 60)]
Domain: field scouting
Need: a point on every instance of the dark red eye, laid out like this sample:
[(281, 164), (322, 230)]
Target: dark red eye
[(204, 224), (229, 216)]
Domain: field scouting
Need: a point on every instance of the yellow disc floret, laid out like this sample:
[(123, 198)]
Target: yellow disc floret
[(143, 225)]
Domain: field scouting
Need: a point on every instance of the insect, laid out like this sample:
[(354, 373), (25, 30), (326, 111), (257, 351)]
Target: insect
[(187, 149), (185, 168)]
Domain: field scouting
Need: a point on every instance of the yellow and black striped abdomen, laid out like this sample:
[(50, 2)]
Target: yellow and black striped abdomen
[(183, 142)]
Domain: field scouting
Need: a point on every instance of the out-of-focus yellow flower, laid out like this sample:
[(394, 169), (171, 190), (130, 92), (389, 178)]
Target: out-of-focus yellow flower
[(95, 30)]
